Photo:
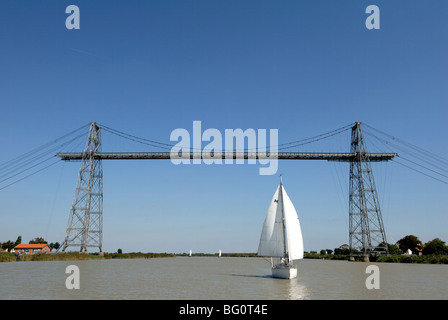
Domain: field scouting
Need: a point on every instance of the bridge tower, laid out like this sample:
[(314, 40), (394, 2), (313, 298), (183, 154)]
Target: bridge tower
[(85, 222), (366, 229)]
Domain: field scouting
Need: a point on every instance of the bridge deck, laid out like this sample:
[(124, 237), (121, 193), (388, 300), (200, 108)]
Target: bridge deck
[(330, 156)]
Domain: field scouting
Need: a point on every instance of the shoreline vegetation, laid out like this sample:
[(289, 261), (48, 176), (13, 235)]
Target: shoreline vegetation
[(68, 256), (392, 258)]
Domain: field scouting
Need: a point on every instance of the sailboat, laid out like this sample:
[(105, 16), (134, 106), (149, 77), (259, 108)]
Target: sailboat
[(281, 236), (190, 253), (219, 253)]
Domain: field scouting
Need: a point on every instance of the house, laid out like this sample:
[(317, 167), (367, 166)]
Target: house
[(32, 248)]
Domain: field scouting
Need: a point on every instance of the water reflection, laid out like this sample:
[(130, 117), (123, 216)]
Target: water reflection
[(296, 290), (284, 289)]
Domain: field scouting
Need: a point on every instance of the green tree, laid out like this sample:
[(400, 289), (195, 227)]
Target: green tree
[(393, 249), (56, 245), (436, 246), (8, 245), (119, 251), (18, 241), (343, 249), (409, 242), (37, 240)]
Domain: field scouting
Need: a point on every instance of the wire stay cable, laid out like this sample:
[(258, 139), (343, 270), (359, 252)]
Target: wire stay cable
[(35, 158), (423, 161), (282, 146)]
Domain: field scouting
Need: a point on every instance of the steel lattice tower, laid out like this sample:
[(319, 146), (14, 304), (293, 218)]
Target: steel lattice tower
[(85, 222), (367, 235)]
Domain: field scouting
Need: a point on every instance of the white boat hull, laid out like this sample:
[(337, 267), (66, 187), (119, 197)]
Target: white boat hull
[(284, 271)]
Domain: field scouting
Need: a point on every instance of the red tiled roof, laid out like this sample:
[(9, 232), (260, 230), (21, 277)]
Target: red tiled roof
[(31, 246)]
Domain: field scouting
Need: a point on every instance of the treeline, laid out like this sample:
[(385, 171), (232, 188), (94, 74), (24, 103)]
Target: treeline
[(409, 249), (68, 256), (135, 255), (9, 245), (432, 259)]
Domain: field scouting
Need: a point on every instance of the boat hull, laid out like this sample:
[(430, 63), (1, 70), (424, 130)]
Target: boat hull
[(284, 271)]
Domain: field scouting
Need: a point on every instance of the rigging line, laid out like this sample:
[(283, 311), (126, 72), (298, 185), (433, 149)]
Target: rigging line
[(424, 167), (283, 148), (77, 143), (52, 164), (410, 145), (128, 138), (371, 142), (314, 139), (386, 143), (54, 200), (23, 166), (301, 144), (386, 202), (41, 147), (20, 165), (419, 171), (384, 181), (413, 154), (342, 195), (330, 133), (26, 169), (113, 130)]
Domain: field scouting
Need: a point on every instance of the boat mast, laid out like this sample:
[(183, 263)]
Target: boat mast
[(283, 219)]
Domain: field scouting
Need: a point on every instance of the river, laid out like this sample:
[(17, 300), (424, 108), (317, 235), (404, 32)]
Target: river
[(213, 278)]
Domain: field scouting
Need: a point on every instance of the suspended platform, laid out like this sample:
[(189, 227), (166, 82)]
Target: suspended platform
[(329, 156)]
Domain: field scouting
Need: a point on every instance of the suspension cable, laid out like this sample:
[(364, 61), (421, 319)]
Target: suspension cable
[(279, 147)]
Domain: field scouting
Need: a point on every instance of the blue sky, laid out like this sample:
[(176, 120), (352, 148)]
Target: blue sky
[(149, 67)]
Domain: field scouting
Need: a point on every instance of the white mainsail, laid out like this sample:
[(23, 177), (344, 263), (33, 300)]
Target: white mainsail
[(281, 235)]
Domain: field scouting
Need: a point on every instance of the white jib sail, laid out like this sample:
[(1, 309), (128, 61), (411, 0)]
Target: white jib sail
[(293, 230)]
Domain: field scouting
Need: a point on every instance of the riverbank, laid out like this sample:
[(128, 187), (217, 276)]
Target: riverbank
[(10, 257), (428, 259)]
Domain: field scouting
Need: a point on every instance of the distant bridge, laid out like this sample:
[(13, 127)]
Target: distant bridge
[(367, 235)]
